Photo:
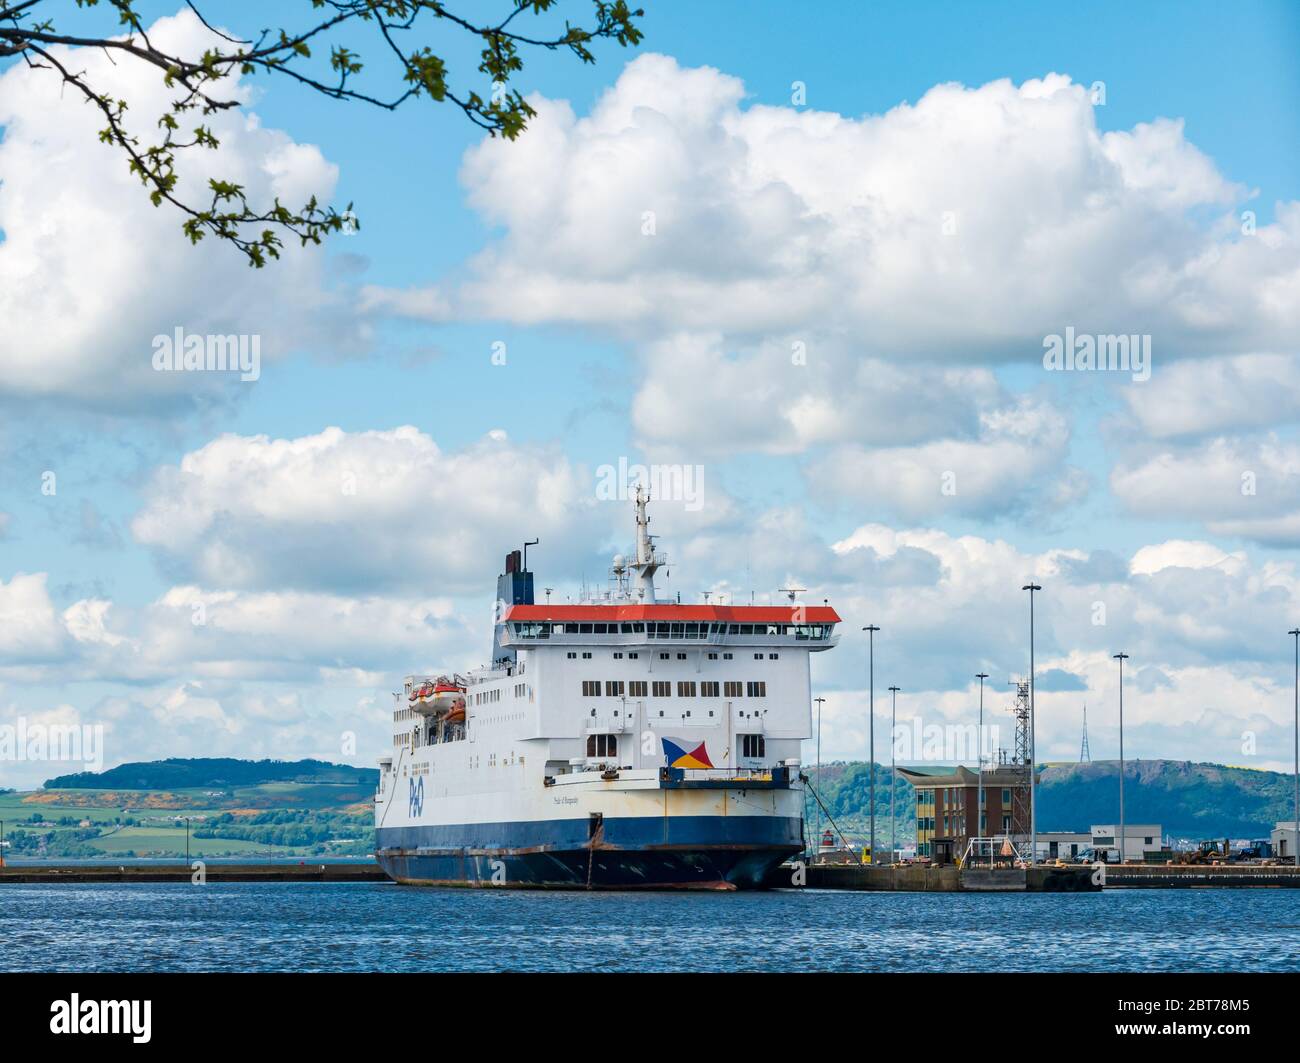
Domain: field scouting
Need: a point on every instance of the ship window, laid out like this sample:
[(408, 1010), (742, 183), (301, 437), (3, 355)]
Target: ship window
[(637, 688), (733, 629), (638, 628), (758, 656), (584, 629), (681, 656), (633, 656), (662, 689), (602, 745), (618, 656), (663, 656), (752, 746), (572, 655), (732, 690), (727, 656), (773, 656), (708, 689), (713, 656), (686, 688), (586, 656), (661, 630), (692, 631), (591, 688), (613, 688), (756, 690)]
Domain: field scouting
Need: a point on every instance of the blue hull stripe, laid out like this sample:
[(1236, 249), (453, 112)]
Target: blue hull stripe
[(622, 833)]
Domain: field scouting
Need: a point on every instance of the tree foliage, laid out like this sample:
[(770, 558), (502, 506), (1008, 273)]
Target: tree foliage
[(313, 56)]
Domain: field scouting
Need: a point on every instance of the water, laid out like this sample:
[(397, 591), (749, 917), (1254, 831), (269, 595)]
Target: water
[(382, 927)]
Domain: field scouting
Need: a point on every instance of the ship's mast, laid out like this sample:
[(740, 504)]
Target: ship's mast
[(647, 562)]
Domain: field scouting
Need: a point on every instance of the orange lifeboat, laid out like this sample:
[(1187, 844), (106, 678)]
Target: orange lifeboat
[(439, 698)]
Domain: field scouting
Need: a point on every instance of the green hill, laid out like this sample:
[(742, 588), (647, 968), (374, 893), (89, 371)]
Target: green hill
[(1187, 800), (216, 773)]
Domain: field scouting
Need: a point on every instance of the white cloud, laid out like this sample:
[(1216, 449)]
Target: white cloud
[(1180, 553), (1235, 486), (898, 255), (363, 510), (30, 630), (1208, 665), (194, 633), (94, 271), (1213, 395), (1016, 446), (773, 220)]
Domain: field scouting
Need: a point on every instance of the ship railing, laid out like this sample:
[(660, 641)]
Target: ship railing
[(739, 774)]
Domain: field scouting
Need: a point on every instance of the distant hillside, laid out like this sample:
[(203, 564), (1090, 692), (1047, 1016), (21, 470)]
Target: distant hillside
[(1191, 800), (1187, 800), (215, 773)]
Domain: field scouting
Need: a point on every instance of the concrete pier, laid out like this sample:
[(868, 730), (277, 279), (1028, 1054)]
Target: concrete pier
[(1184, 876), (306, 872), (918, 878)]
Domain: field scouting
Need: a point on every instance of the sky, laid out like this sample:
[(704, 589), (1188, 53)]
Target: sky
[(814, 255)]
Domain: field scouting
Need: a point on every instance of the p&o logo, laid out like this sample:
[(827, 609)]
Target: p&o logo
[(415, 805)]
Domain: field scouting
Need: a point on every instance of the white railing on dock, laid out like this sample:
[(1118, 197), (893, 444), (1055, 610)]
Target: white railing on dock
[(997, 851)]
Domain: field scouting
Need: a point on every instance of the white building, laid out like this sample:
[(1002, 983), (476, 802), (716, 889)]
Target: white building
[(1283, 838), (1139, 839), (1062, 845)]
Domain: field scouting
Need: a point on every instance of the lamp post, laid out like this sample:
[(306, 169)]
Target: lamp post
[(893, 770), (871, 630), (981, 676), (1033, 754), (817, 838), (1121, 657), (1295, 807)]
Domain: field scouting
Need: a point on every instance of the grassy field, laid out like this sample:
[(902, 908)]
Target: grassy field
[(145, 822), (145, 840)]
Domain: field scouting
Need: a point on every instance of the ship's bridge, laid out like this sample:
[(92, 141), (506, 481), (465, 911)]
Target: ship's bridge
[(807, 627)]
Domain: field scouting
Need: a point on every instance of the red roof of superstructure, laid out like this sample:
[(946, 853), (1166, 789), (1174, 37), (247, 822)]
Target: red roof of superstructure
[(737, 614)]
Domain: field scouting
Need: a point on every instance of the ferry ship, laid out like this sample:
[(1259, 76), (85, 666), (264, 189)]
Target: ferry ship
[(623, 742)]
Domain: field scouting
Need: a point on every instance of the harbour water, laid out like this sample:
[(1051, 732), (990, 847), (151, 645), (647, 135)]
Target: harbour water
[(384, 927)]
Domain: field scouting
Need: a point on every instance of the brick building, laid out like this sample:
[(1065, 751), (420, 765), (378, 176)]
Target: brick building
[(948, 813)]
